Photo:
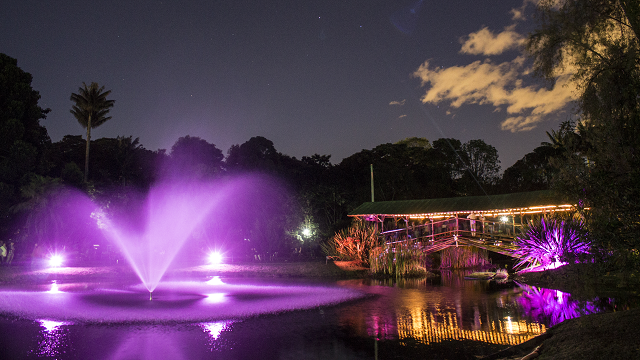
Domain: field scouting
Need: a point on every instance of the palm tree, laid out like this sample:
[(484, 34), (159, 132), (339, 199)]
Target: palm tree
[(91, 106)]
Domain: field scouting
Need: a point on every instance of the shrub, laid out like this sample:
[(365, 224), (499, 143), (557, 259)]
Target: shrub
[(353, 243), (551, 242)]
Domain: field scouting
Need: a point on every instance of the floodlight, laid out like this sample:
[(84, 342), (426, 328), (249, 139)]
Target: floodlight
[(215, 258), (55, 260)]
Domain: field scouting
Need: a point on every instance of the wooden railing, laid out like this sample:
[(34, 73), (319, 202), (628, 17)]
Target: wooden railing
[(434, 236)]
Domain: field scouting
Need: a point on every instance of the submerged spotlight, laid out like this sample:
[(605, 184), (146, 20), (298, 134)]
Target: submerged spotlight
[(55, 260), (306, 232), (215, 258)]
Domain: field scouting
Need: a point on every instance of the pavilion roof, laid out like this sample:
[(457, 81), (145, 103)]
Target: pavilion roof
[(490, 205)]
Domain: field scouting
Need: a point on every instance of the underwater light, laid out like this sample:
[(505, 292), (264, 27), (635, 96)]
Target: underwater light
[(55, 260), (215, 258)]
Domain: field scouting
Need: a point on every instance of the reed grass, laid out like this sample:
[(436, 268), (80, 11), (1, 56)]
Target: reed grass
[(463, 257), (403, 259)]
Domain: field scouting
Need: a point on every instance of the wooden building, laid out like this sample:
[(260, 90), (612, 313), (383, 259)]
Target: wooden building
[(490, 222)]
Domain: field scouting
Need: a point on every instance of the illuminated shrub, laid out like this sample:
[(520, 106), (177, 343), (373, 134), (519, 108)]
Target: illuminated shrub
[(551, 242), (353, 243)]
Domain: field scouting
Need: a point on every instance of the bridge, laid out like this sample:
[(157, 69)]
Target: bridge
[(487, 222)]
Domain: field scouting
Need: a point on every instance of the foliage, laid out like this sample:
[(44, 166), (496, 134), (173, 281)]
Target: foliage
[(532, 172), (549, 241), (353, 243), (90, 109), (597, 41), (463, 257), (195, 158), (480, 167), (23, 141), (401, 259)]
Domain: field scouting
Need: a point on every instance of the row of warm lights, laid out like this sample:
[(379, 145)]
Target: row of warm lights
[(504, 212)]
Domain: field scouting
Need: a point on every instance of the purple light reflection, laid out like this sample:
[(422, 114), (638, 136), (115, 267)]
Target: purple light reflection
[(553, 306), (184, 301), (54, 338), (214, 329)]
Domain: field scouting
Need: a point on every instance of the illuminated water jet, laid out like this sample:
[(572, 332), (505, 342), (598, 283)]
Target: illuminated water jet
[(150, 233)]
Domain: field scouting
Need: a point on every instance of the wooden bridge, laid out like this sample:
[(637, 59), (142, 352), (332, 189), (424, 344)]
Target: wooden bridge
[(487, 222)]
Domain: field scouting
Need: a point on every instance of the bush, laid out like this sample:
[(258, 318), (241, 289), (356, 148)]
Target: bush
[(354, 243), (551, 242)]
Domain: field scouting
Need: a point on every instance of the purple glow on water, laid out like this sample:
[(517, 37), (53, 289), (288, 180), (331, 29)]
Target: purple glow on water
[(553, 306), (214, 329), (186, 301)]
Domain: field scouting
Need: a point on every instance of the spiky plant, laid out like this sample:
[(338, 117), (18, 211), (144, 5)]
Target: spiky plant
[(551, 241), (353, 243)]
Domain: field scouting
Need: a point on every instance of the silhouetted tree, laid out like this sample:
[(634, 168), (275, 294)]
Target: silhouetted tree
[(23, 141), (90, 109), (599, 40), (481, 167), (196, 158)]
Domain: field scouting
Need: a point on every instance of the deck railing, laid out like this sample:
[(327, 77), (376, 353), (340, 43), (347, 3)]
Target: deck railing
[(495, 236)]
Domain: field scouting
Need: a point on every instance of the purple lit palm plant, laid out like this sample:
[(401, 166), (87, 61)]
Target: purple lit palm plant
[(549, 243)]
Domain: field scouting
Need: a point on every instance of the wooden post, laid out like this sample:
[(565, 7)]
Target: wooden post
[(372, 197), (406, 225)]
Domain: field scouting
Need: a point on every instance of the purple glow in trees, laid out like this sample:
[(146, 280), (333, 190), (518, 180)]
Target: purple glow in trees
[(547, 242)]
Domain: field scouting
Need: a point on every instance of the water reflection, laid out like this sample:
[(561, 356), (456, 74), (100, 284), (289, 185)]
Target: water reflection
[(54, 338), (555, 306), (150, 343), (451, 308), (214, 329)]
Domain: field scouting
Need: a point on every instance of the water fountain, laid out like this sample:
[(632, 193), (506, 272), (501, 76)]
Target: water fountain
[(149, 237)]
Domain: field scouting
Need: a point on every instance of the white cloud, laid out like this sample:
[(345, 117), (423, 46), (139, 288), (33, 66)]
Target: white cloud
[(505, 86), (485, 42), (395, 102), (499, 85)]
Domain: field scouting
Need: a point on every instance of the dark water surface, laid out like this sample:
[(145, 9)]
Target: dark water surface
[(442, 318)]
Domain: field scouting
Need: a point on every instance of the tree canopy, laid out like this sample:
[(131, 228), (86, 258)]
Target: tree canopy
[(596, 43)]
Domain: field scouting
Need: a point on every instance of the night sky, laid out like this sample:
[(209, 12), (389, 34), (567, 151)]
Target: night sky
[(327, 77)]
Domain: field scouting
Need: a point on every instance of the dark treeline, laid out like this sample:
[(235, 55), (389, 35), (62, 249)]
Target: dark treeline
[(320, 193)]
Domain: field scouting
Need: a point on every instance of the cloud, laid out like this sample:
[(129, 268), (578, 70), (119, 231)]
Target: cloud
[(505, 86), (401, 116), (398, 102), (499, 85), (485, 42)]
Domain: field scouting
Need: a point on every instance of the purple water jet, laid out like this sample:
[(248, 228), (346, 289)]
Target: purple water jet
[(150, 231), (171, 214)]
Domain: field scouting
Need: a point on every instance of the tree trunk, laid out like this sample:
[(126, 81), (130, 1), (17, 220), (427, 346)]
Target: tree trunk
[(86, 155)]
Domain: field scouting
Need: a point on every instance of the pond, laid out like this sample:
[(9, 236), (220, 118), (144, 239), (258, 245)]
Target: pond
[(446, 317)]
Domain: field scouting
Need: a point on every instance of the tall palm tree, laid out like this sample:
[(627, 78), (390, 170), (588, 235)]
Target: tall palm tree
[(90, 109)]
